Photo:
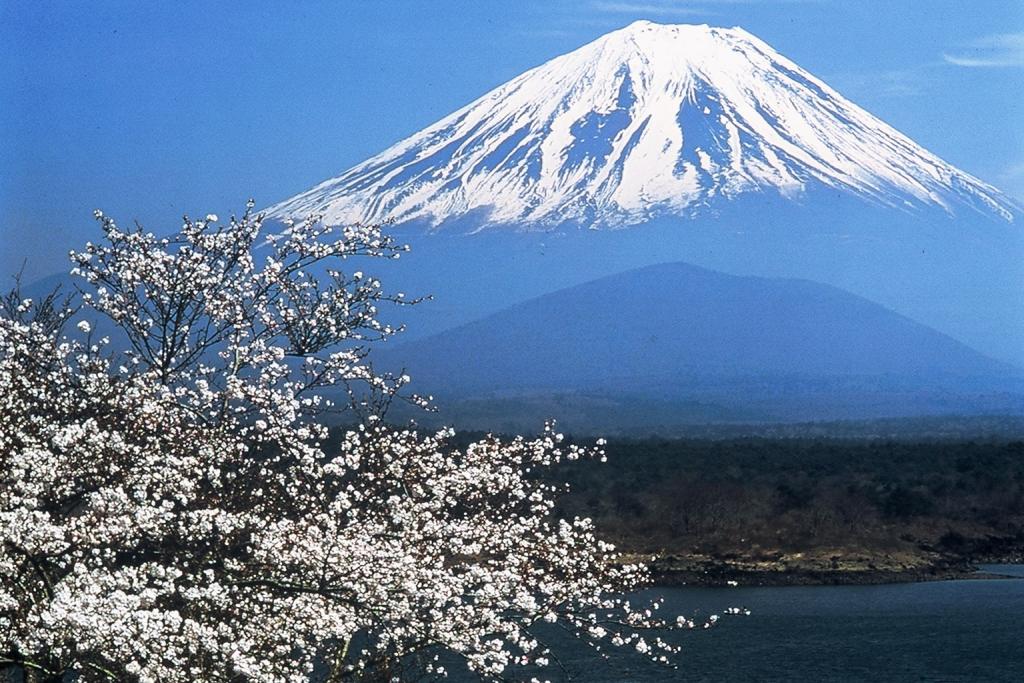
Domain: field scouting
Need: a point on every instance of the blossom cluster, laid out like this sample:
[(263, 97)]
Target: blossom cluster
[(176, 511)]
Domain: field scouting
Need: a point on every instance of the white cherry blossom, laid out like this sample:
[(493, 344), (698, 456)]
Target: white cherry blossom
[(176, 511)]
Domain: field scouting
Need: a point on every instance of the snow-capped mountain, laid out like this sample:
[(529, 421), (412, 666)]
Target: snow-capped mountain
[(730, 156), (648, 121)]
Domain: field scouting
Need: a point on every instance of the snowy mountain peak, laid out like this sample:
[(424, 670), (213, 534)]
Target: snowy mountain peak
[(649, 120)]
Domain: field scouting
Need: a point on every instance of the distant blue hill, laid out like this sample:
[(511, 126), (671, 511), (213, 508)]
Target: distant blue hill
[(700, 345), (666, 346)]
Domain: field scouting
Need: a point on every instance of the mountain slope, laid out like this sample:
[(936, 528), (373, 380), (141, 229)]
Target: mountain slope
[(647, 121), (675, 332)]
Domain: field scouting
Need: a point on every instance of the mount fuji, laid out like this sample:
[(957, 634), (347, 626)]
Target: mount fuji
[(647, 121), (679, 143)]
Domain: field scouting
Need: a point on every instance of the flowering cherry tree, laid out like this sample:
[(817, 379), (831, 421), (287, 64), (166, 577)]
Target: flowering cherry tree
[(174, 510)]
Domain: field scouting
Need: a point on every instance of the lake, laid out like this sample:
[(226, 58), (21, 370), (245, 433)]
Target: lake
[(939, 631)]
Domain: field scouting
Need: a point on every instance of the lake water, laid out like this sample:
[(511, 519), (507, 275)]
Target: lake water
[(938, 631)]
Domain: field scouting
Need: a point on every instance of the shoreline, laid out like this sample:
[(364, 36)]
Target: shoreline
[(775, 579), (705, 573)]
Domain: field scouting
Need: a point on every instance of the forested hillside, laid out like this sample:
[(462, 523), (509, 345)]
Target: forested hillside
[(800, 510)]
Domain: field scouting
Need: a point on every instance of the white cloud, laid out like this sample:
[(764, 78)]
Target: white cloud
[(999, 50), (906, 82), (649, 8), (678, 8), (1010, 179), (1015, 170)]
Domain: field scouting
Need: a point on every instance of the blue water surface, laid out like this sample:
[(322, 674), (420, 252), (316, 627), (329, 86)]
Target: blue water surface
[(968, 630)]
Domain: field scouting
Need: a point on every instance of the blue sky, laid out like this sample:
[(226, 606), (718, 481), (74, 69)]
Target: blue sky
[(150, 110)]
